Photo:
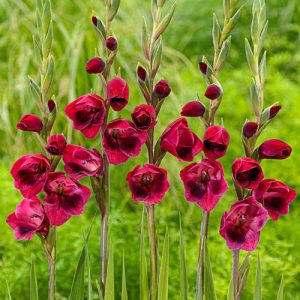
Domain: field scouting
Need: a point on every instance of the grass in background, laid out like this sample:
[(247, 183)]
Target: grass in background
[(187, 39)]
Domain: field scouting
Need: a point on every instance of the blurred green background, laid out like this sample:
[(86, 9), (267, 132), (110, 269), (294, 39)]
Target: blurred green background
[(187, 39)]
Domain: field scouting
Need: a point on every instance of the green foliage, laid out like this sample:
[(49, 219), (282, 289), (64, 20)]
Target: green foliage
[(209, 288), (34, 295)]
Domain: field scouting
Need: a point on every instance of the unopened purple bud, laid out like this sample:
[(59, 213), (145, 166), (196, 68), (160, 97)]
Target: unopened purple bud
[(249, 129), (51, 105), (193, 109), (274, 111), (212, 92), (111, 43), (95, 65), (203, 68), (94, 20), (141, 72)]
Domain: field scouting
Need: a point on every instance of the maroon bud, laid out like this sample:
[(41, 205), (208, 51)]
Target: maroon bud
[(249, 129), (30, 122), (95, 65), (274, 111), (94, 20), (56, 144), (141, 72), (212, 92), (162, 89), (51, 105), (274, 149), (193, 109), (144, 117), (111, 43), (203, 68)]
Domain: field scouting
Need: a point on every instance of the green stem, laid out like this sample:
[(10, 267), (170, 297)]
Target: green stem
[(235, 273)]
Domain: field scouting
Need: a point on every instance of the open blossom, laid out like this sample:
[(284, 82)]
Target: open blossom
[(241, 226), (80, 162), (117, 93), (144, 117), (87, 113), (180, 141), (30, 122), (247, 172), (28, 219), (204, 183), (122, 140), (56, 144), (215, 142), (274, 149), (193, 109), (275, 197), (148, 184), (64, 198), (30, 173)]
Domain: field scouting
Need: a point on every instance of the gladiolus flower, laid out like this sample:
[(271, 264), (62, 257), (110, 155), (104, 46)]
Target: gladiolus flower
[(28, 219), (144, 117), (95, 65), (64, 198), (180, 141), (56, 144), (117, 93), (215, 142), (111, 43), (241, 226), (247, 172), (148, 184), (274, 149), (249, 129), (193, 109), (80, 162), (204, 183), (212, 92), (275, 197), (122, 140), (30, 123), (162, 89), (87, 113), (30, 173)]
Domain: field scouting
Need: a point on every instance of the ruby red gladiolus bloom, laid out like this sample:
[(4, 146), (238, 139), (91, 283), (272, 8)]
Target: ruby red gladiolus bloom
[(247, 172), (87, 113), (117, 93), (64, 198), (148, 184), (275, 197), (30, 122), (28, 219), (30, 173), (144, 117), (274, 149), (204, 183), (215, 142), (241, 226), (56, 144), (162, 89), (193, 109), (80, 162), (180, 141), (122, 140)]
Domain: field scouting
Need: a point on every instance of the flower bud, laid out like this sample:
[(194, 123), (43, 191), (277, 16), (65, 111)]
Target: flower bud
[(30, 122), (162, 89), (141, 73), (51, 105), (212, 92), (274, 111), (95, 65), (193, 109), (203, 68), (274, 149), (94, 20), (249, 129), (144, 117), (111, 43), (56, 144)]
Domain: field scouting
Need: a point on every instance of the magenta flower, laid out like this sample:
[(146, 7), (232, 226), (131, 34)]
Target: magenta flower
[(204, 183), (87, 113), (215, 142), (64, 198), (274, 149), (148, 184), (117, 93), (247, 172), (28, 219), (275, 197), (193, 109), (122, 140), (144, 117), (180, 141), (80, 162), (95, 65), (30, 173), (162, 89), (56, 144), (241, 226), (30, 122)]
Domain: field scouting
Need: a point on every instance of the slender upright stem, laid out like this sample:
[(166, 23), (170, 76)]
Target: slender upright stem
[(153, 250), (235, 273), (200, 271)]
